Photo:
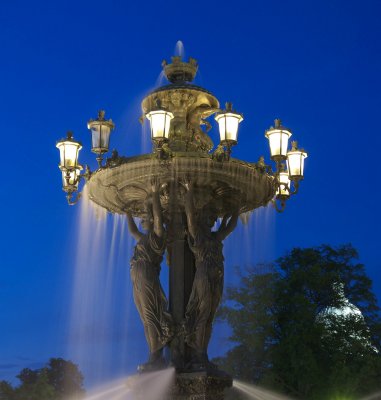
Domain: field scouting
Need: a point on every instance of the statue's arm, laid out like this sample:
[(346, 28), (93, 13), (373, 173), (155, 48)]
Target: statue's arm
[(224, 221), (156, 209), (226, 228), (190, 209), (136, 234)]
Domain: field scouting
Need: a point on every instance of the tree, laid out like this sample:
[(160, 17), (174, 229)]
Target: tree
[(28, 376), (65, 378), (287, 339), (57, 380), (40, 389), (6, 391), (254, 332)]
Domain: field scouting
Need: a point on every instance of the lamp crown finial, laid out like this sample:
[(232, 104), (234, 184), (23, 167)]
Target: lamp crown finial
[(176, 59), (277, 123), (229, 106), (101, 115), (69, 134), (294, 145), (180, 71)]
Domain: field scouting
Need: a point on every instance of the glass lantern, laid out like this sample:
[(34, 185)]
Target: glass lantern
[(70, 179), (295, 162), (160, 121), (278, 139), (228, 122), (69, 151), (100, 133), (284, 183)]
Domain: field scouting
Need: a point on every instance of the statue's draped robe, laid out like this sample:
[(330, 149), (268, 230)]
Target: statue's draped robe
[(148, 294), (206, 290)]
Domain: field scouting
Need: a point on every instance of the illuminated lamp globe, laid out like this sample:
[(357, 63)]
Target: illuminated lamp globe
[(160, 121), (228, 122), (69, 151), (100, 133), (278, 139), (283, 191), (295, 162), (70, 179)]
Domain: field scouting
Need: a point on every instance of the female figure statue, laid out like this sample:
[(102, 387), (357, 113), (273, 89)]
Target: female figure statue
[(206, 293), (149, 297)]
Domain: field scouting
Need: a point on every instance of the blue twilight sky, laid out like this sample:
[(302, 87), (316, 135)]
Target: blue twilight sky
[(315, 64)]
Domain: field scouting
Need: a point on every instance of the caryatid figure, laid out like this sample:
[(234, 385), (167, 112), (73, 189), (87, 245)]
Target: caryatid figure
[(207, 287), (149, 296)]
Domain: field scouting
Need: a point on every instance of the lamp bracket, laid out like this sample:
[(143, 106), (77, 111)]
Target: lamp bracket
[(279, 204), (162, 150), (69, 198)]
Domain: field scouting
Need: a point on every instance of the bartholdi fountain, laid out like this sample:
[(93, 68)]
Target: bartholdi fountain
[(181, 191)]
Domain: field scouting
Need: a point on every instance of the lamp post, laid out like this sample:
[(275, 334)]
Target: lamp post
[(189, 186)]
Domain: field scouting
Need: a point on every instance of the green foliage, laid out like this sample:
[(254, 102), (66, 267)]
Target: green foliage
[(40, 389), (58, 380), (6, 391), (288, 335), (65, 378)]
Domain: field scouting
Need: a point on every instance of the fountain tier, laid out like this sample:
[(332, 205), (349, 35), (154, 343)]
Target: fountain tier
[(219, 186)]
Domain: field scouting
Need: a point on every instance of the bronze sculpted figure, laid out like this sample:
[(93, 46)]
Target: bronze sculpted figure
[(197, 117), (206, 293), (149, 296)]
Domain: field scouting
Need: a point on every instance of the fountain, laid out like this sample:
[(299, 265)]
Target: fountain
[(181, 192)]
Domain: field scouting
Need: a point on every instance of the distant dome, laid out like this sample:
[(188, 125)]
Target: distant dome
[(346, 312), (346, 309)]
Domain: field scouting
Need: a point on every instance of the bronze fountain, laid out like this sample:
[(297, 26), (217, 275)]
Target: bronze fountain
[(181, 191)]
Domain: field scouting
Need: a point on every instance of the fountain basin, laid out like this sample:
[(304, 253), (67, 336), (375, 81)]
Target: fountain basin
[(220, 185)]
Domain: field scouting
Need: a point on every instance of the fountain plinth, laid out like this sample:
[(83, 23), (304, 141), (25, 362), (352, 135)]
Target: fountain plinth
[(200, 386)]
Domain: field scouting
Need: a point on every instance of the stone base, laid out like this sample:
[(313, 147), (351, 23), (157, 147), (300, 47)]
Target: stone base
[(167, 385), (200, 386)]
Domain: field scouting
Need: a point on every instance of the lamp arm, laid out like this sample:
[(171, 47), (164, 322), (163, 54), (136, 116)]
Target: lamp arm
[(87, 174), (295, 188), (276, 205), (69, 198)]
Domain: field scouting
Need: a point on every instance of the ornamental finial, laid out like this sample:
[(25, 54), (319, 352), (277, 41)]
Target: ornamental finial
[(229, 106), (180, 71), (101, 115)]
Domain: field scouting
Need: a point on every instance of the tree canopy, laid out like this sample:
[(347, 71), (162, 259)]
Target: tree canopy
[(59, 379), (308, 326)]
